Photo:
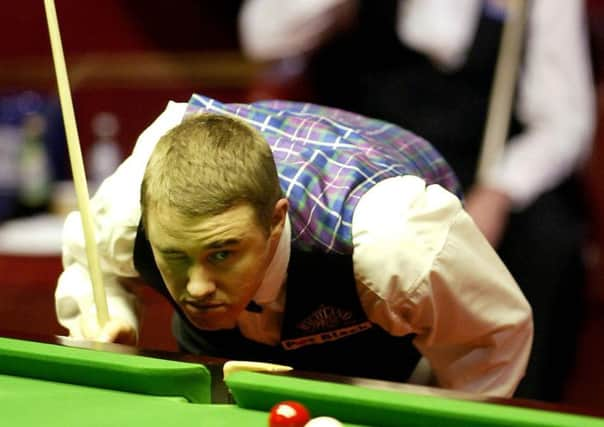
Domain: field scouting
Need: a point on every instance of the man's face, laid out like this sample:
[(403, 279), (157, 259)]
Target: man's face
[(212, 266)]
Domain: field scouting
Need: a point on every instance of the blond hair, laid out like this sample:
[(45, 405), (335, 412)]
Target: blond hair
[(208, 164)]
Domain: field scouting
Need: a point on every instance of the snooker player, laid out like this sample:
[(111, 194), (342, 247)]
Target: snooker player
[(304, 235)]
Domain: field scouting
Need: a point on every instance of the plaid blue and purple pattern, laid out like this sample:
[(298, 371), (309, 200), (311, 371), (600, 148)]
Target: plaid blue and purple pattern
[(328, 158)]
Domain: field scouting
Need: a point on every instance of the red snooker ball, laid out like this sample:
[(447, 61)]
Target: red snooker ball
[(288, 414)]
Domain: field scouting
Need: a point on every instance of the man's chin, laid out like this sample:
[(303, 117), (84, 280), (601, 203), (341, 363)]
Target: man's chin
[(214, 324)]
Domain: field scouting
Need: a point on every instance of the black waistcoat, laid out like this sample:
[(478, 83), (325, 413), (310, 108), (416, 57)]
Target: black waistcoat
[(370, 71), (324, 326)]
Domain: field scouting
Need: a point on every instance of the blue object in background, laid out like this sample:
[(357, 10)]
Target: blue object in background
[(25, 156)]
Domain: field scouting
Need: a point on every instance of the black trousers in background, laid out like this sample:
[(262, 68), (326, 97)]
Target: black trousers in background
[(543, 249)]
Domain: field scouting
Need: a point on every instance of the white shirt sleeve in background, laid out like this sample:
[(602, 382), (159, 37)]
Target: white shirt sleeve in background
[(556, 103), (274, 29)]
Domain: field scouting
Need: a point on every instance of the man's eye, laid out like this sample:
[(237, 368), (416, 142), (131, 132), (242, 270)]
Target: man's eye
[(220, 256)]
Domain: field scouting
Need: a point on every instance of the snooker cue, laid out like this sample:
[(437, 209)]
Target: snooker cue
[(77, 164), (502, 91)]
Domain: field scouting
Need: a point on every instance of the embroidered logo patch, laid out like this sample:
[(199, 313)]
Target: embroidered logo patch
[(325, 317), (324, 337), (327, 323)]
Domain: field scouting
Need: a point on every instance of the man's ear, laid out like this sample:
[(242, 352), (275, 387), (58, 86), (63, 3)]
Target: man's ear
[(279, 215)]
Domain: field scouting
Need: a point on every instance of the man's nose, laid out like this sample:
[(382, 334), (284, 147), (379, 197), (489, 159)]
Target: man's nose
[(200, 283)]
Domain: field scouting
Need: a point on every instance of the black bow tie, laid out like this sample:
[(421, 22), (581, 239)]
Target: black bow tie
[(253, 307)]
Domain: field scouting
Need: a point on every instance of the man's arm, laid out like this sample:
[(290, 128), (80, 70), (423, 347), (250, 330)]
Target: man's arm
[(423, 267), (116, 212), (556, 104)]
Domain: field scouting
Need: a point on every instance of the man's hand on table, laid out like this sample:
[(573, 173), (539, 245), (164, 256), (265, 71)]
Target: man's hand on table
[(115, 330)]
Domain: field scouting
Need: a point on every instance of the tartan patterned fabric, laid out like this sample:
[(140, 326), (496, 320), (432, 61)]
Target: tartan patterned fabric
[(328, 158)]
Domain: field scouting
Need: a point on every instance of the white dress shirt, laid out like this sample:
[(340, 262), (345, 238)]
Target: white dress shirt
[(420, 263), (556, 97)]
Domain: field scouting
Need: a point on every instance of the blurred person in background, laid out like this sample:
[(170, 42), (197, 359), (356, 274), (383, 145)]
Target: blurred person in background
[(428, 65)]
